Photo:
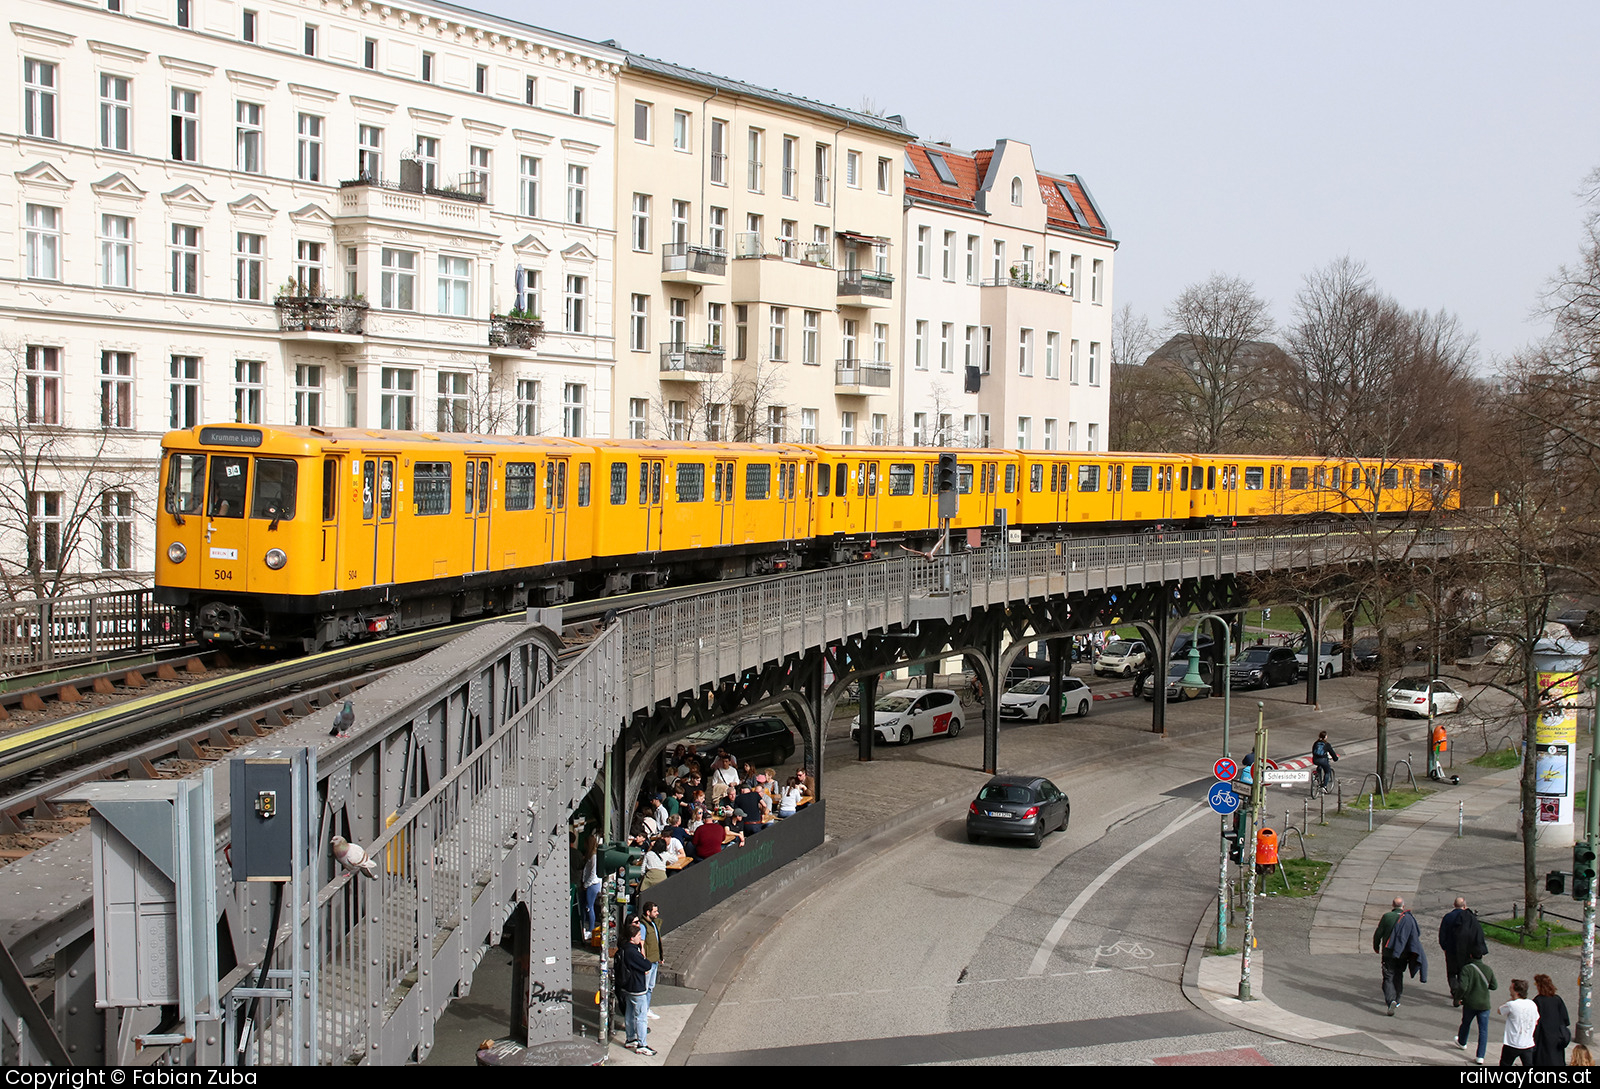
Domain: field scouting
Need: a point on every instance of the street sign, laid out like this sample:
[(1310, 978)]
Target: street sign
[(1225, 769), (1222, 798), (1301, 775)]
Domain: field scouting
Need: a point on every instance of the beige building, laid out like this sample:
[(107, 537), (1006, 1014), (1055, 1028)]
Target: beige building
[(755, 293)]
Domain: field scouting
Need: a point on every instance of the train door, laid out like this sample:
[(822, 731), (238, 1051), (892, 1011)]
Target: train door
[(1230, 491), (476, 507), (869, 509), (332, 481), (722, 494), (650, 470), (227, 528), (377, 515), (788, 482), (555, 506)]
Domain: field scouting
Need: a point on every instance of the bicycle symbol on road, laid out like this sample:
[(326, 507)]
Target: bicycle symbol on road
[(1132, 949)]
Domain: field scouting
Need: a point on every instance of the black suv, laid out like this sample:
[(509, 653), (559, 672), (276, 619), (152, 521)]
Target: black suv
[(766, 741), (1263, 667)]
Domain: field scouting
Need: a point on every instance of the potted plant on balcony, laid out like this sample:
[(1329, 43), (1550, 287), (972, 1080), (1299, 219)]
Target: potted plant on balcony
[(517, 328)]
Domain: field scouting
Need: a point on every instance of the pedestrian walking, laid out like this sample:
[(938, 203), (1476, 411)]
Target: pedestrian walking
[(650, 917), (1450, 928), (1398, 943), (1476, 981), (1554, 1031), (1521, 1016)]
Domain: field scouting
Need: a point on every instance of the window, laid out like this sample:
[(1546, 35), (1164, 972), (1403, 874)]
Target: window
[(810, 341), (880, 343), (572, 397), (948, 257), (530, 91), (248, 33), (427, 67), (1094, 363), (249, 390), (1074, 270), (247, 157), (308, 161), (852, 169), (480, 80), (924, 235), (1052, 355), (1024, 432), (1139, 478), (678, 322), (46, 529), (116, 389), (808, 425), (1050, 435), (352, 396), (577, 292), (778, 346), (741, 334), (309, 273), (308, 41), (676, 413), (789, 171), (757, 137), (717, 231), (788, 246), (398, 280), (638, 415), (775, 420), (183, 391), (43, 242), (880, 428), (680, 222), (369, 53), (369, 153), (185, 126), (1096, 275), (715, 431), (185, 260), (1072, 363), (455, 393), (639, 323), (455, 285), (185, 14), (528, 186), (849, 338), (719, 153), (43, 367), (947, 347), (428, 157), (972, 258), (1072, 435), (885, 175), (397, 404), (116, 531), (1254, 478), (969, 348), (847, 428), (430, 487), (479, 171), (986, 364), (919, 433), (352, 270), (527, 407), (1088, 478), (39, 99), (1094, 438), (1053, 268), (680, 130), (691, 482), (1016, 191), (577, 101), (116, 251), (116, 113), (1298, 478), (1000, 272), (714, 320), (820, 190), (641, 122), (920, 346), (307, 395), (577, 193), (1025, 352)]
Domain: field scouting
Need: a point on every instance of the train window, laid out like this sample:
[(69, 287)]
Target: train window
[(277, 488), (386, 488), (549, 485), (1116, 478), (1233, 478), (1183, 478), (1088, 478), (1011, 479), (228, 477), (792, 492), (430, 487), (1336, 478), (522, 484), (822, 481), (1297, 478), (583, 483), (619, 484), (644, 484), (561, 484), (655, 483), (1277, 478), (1391, 478), (1055, 478), (1211, 477), (861, 479), (1139, 478), (483, 486), (872, 478), (963, 479), (783, 490), (757, 481), (186, 483), (902, 479), (1425, 478), (330, 489), (927, 478), (691, 482), (1254, 478), (471, 481), (369, 488), (841, 480), (716, 486), (1036, 478)]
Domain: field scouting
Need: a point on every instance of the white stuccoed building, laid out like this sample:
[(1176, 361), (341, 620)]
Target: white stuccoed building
[(287, 213), (1007, 277)]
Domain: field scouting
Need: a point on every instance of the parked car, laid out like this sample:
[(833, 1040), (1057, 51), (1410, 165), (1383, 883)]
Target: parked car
[(1579, 622), (1263, 667), (1180, 646), (1018, 807), (1028, 700), (1023, 668), (1330, 659), (1120, 658), (765, 740), (1409, 696), (911, 713), (1176, 690)]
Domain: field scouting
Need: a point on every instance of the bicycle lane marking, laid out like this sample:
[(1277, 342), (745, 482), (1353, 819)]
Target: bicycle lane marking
[(1041, 959)]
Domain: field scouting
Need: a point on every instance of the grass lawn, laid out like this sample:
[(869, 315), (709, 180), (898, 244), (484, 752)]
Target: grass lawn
[(1397, 799), (1506, 932), (1305, 877), (1503, 758)]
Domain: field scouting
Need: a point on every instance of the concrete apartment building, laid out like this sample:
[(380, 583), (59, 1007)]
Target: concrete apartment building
[(755, 293), (1007, 283), (280, 213)]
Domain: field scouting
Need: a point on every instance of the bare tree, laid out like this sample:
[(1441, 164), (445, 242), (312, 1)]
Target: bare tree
[(753, 390), (1222, 381)]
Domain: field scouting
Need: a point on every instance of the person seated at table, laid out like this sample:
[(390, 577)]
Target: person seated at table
[(807, 787), (752, 808), (767, 783), (677, 832), (673, 849), (710, 837), (724, 779), (655, 864), (791, 798), (674, 800)]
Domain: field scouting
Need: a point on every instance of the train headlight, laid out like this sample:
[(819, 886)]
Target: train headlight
[(176, 552), (276, 558)]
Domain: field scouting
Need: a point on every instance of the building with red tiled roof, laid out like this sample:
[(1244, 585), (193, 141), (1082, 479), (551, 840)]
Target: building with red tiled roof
[(1007, 303)]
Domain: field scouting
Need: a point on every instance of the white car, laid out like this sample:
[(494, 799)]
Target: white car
[(1329, 659), (1121, 658), (1028, 700), (1409, 696), (911, 713)]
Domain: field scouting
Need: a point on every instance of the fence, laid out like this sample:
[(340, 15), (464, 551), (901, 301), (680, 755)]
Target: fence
[(55, 631)]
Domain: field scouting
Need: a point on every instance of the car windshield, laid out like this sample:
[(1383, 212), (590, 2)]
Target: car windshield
[(1032, 686), (895, 704), (1411, 684), (708, 738), (1256, 655), (1005, 792), (1121, 650)]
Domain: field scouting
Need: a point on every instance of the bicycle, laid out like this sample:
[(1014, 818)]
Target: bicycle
[(1318, 787)]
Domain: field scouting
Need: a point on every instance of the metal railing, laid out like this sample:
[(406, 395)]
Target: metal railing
[(860, 281), (681, 358), (861, 372), (684, 257), (321, 314), (52, 631), (748, 244)]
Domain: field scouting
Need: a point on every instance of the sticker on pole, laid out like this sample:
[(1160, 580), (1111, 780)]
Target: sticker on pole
[(1225, 769), (1222, 798)]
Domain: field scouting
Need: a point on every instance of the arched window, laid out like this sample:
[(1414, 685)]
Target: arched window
[(1016, 191)]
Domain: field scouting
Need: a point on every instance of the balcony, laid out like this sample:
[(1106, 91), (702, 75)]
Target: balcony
[(682, 263), (1021, 275), (747, 244), (862, 287), (514, 333), (719, 168), (860, 377), (327, 318), (690, 362)]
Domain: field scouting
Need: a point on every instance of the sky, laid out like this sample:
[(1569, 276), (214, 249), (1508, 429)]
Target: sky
[(1441, 144)]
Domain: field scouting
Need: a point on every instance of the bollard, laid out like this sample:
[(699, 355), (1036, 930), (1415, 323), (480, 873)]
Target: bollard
[(1461, 817), (1369, 810)]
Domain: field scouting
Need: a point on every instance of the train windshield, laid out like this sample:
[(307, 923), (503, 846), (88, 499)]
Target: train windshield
[(186, 483), (229, 476), (276, 487)]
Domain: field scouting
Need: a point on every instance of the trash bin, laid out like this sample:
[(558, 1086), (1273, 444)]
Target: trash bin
[(1266, 847)]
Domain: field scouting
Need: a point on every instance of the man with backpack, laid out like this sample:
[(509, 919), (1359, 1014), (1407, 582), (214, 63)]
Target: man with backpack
[(1321, 755)]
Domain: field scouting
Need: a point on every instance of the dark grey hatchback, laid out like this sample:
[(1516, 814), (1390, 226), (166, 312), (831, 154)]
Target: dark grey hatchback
[(1018, 807)]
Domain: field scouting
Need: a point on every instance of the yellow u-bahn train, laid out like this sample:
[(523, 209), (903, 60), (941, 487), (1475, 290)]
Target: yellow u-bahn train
[(305, 537)]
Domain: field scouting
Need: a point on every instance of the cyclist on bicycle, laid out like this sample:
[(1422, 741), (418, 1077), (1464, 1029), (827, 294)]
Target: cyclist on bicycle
[(1321, 755)]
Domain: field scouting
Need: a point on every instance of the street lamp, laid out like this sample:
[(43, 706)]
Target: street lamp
[(1194, 680)]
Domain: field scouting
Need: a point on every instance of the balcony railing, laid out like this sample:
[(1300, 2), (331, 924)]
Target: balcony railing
[(1021, 275), (817, 253), (748, 244), (321, 314), (471, 186), (789, 177), (719, 168), (862, 372), (519, 333), (860, 281), (820, 189), (691, 358), (683, 257)]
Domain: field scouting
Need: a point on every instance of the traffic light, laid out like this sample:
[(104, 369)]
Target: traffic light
[(1555, 882), (1235, 837), (947, 472), (1582, 870)]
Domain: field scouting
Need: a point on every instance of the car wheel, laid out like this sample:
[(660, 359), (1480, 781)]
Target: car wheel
[(1039, 718), (1066, 817), (1083, 709), (1327, 672), (905, 735), (1038, 839), (955, 728)]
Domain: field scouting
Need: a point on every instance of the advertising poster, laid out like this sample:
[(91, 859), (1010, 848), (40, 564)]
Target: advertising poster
[(1558, 724), (1550, 770)]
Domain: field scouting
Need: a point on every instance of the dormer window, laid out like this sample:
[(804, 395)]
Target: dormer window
[(1016, 192)]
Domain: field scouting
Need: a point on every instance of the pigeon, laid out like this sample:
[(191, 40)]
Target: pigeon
[(352, 857), (343, 721)]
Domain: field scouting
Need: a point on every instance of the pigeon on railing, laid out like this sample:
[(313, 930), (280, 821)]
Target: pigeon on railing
[(342, 722), (352, 857)]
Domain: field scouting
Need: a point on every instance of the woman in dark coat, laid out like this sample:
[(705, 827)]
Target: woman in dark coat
[(1552, 1034)]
